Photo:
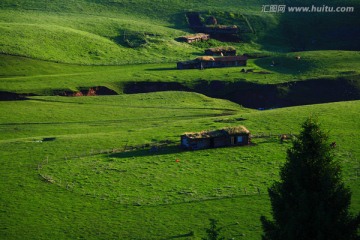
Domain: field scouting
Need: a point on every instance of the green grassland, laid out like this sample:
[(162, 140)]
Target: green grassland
[(110, 167), (100, 39), (24, 75), (82, 179), (106, 31), (54, 41)]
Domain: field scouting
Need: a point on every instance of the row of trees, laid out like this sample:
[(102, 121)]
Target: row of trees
[(310, 202)]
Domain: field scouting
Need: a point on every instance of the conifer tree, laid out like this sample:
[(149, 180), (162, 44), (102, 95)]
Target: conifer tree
[(310, 202)]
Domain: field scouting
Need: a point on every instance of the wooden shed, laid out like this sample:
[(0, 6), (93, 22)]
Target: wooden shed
[(226, 137), (194, 38), (198, 63), (231, 61), (221, 29), (192, 64), (213, 62), (221, 51)]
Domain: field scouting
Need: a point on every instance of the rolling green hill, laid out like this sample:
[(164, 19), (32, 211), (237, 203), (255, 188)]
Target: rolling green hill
[(102, 36), (106, 31), (69, 39), (83, 179), (319, 77)]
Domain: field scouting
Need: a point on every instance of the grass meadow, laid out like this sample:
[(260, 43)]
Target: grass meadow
[(24, 75), (85, 180)]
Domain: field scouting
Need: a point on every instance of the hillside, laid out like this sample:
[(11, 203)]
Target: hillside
[(80, 177), (291, 82), (106, 31), (106, 35)]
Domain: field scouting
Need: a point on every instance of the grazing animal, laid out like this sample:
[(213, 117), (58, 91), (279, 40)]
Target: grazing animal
[(282, 138)]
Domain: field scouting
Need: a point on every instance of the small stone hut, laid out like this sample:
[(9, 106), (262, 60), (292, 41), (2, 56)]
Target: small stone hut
[(194, 38), (221, 29), (226, 137), (213, 62), (221, 51), (231, 61)]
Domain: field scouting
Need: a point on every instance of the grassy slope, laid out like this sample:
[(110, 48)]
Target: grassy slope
[(119, 195), (31, 76), (99, 28), (69, 38)]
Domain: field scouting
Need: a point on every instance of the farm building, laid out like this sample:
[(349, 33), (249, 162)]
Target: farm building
[(226, 137), (221, 51), (213, 62), (211, 26), (198, 63), (194, 38), (221, 29), (231, 61)]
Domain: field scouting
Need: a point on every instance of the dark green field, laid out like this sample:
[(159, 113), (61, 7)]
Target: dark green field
[(84, 168)]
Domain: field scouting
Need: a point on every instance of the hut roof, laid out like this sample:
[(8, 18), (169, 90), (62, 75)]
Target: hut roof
[(220, 49), (196, 36), (205, 58), (223, 26), (217, 133)]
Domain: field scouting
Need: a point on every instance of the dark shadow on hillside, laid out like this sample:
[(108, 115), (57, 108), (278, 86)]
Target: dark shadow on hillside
[(186, 235), (10, 96), (131, 39), (197, 53), (145, 87), (179, 21), (85, 91), (316, 30), (220, 25), (263, 96), (161, 69), (152, 151), (296, 93), (234, 38)]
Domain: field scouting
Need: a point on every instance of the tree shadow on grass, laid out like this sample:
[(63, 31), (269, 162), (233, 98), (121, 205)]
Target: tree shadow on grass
[(306, 32), (152, 151), (161, 69), (190, 234)]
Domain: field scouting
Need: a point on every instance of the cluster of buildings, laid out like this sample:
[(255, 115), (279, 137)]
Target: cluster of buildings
[(214, 58)]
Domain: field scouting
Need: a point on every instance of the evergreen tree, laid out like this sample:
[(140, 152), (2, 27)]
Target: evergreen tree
[(310, 202)]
